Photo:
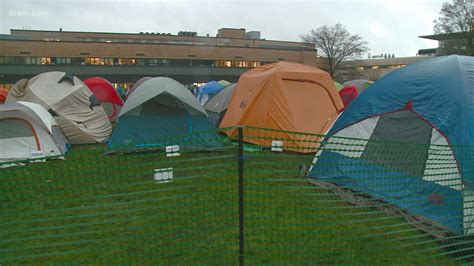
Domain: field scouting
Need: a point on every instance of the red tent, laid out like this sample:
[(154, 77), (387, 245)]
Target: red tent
[(348, 94), (3, 95), (106, 94)]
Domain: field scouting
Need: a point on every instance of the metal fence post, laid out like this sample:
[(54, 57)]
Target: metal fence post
[(241, 194)]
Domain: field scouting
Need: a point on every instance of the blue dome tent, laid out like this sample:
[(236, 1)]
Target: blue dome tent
[(208, 90), (413, 128)]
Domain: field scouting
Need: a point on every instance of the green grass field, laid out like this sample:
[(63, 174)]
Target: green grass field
[(96, 209)]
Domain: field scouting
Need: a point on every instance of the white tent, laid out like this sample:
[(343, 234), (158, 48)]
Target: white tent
[(70, 101), (28, 132)]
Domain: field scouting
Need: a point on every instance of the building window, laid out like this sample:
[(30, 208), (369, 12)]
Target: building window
[(23, 60), (122, 85), (7, 86), (223, 43), (223, 63), (77, 61), (63, 60), (94, 61), (20, 60), (237, 63), (46, 60), (126, 61), (108, 61)]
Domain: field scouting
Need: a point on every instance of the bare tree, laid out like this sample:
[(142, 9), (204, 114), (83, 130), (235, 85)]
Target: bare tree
[(336, 44), (456, 18)]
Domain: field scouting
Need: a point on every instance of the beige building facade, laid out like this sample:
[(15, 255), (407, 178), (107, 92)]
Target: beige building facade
[(123, 58)]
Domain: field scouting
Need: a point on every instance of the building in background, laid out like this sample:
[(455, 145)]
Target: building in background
[(123, 58), (373, 69), (452, 43)]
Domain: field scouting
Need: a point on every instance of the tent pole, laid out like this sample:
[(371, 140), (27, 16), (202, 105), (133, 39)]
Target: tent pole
[(241, 194)]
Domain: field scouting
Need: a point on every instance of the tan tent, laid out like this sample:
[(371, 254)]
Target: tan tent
[(72, 104), (284, 96)]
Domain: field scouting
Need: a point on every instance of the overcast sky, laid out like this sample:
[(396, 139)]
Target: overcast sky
[(390, 26)]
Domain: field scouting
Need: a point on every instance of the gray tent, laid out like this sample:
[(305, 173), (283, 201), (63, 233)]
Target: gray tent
[(159, 110), (217, 105), (70, 101), (136, 85)]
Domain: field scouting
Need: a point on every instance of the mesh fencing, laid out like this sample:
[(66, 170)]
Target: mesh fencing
[(306, 199)]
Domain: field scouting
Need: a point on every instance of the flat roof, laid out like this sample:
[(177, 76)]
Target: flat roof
[(231, 29), (156, 34), (447, 36), (88, 32), (387, 61)]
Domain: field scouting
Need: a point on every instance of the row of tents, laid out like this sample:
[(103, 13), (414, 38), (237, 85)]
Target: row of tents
[(82, 112), (159, 108), (215, 95)]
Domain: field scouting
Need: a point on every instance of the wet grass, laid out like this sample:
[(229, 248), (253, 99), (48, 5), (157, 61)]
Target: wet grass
[(98, 209)]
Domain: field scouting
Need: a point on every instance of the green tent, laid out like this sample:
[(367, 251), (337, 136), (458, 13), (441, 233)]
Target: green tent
[(224, 82), (338, 86)]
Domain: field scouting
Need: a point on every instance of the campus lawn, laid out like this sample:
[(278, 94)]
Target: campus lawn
[(92, 208)]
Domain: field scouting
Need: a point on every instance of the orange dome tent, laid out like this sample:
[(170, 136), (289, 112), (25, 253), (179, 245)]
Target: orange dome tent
[(285, 96)]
